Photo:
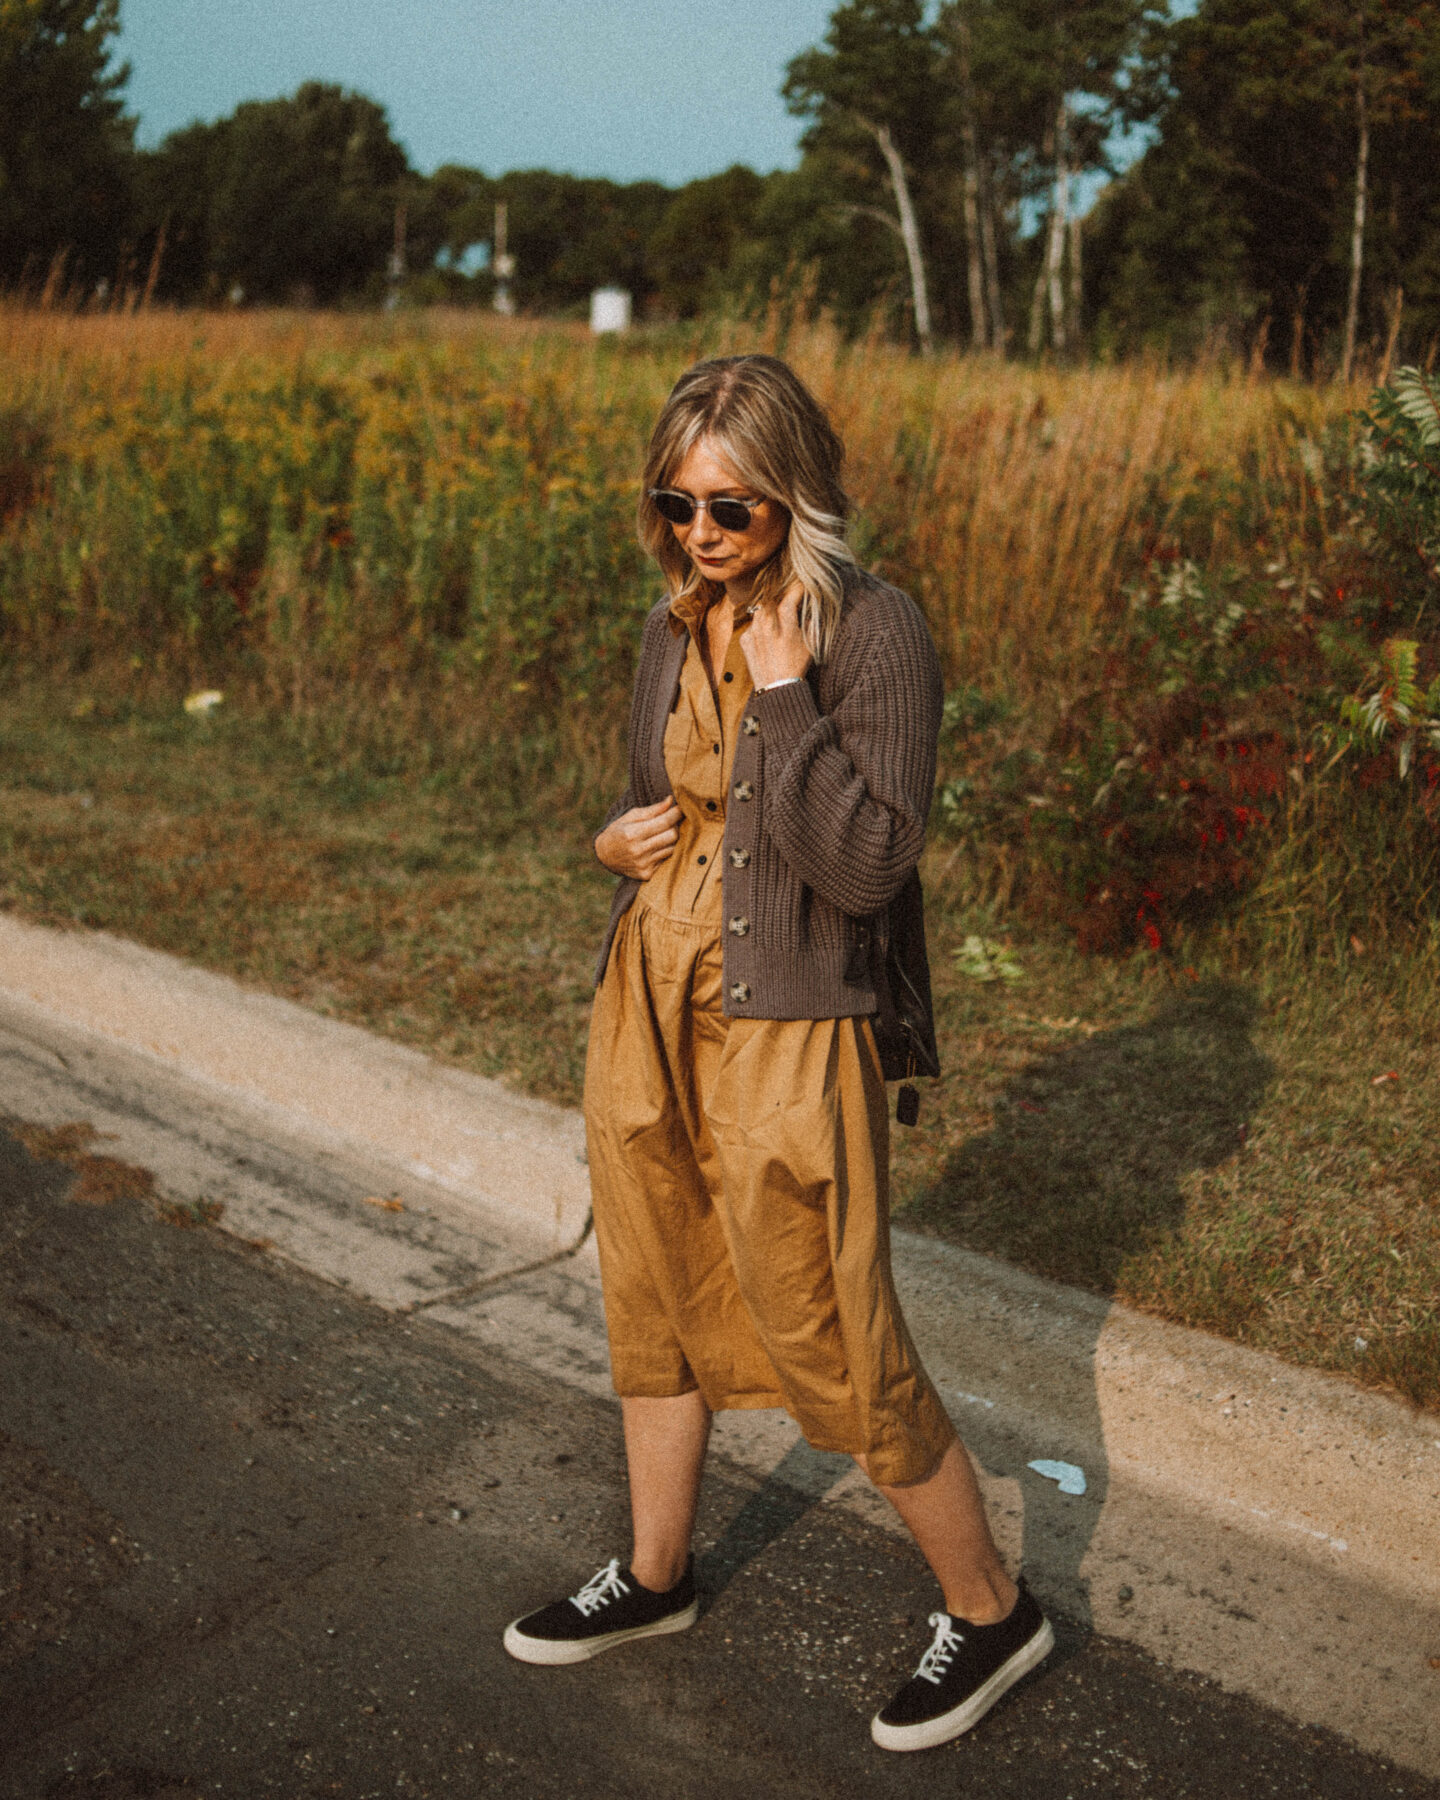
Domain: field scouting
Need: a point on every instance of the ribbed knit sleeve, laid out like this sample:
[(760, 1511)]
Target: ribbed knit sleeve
[(847, 791)]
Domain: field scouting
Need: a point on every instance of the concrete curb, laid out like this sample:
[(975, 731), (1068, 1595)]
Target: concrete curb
[(459, 1132), (1267, 1526)]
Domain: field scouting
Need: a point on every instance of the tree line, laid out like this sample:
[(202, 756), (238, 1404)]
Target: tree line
[(1284, 206)]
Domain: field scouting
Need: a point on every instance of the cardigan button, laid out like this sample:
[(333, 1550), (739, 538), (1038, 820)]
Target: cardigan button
[(750, 725), (744, 791), (740, 992), (740, 926), (739, 858)]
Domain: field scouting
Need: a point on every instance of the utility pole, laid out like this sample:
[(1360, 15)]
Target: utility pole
[(395, 269), (502, 262)]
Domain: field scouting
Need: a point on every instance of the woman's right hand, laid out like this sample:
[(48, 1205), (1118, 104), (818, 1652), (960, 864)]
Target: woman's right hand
[(638, 841)]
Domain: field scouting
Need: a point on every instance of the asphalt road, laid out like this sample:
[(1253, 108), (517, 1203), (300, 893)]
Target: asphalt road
[(259, 1537)]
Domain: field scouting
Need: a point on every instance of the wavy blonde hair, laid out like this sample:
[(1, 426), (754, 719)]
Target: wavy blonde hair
[(767, 425)]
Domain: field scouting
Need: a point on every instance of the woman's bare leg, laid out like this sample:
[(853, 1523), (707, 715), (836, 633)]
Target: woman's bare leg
[(946, 1517), (665, 1448)]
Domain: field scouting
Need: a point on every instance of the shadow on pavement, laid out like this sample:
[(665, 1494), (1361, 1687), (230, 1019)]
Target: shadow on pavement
[(1081, 1170), (800, 1479)]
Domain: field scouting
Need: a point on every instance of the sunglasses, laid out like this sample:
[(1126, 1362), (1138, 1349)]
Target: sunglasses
[(680, 509)]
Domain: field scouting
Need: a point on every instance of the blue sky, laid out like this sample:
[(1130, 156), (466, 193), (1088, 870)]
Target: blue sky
[(668, 89)]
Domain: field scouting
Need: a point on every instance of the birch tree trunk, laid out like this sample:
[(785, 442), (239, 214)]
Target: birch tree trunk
[(970, 153), (1077, 280), (1357, 228), (974, 253), (1037, 300), (992, 260), (910, 236), (1035, 336), (1059, 218)]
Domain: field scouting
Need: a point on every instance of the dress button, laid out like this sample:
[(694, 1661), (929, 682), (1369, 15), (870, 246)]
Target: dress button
[(744, 791), (740, 992), (739, 926), (715, 748), (750, 725), (701, 859), (709, 806), (729, 676), (739, 858)]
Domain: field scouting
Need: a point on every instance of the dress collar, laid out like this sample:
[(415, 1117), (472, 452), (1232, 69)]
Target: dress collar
[(688, 613)]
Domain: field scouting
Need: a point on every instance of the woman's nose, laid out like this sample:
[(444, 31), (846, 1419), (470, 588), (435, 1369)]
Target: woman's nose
[(704, 530)]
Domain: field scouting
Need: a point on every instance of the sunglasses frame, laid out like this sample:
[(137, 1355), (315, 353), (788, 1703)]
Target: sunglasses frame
[(749, 508)]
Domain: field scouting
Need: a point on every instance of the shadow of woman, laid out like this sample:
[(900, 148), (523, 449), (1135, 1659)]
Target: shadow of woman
[(1083, 1169)]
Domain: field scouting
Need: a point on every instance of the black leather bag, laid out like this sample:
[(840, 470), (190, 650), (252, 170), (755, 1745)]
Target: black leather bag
[(904, 1015)]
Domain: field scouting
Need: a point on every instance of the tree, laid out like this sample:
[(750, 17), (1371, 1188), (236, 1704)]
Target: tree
[(304, 206), (691, 249), (878, 78), (64, 139), (987, 322), (1058, 75), (175, 188), (571, 234), (1290, 191), (808, 244), (1369, 55)]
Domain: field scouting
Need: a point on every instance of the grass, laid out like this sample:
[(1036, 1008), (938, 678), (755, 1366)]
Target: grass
[(1208, 1145), (402, 906)]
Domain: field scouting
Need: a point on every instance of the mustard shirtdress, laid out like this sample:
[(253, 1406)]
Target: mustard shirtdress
[(740, 1167)]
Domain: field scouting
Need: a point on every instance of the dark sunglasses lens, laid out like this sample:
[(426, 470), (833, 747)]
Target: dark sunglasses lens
[(730, 515), (674, 508)]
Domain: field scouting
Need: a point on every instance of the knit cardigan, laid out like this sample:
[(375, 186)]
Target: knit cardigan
[(825, 821)]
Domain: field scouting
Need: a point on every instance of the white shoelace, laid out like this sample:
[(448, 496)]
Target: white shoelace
[(935, 1663), (602, 1587)]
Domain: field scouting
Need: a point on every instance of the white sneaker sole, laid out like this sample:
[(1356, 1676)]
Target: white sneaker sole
[(929, 1732), (554, 1651)]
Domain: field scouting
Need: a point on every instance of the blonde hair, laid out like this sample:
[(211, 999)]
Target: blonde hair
[(762, 419)]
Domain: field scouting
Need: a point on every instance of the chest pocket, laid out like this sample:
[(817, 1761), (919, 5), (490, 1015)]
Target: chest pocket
[(679, 738)]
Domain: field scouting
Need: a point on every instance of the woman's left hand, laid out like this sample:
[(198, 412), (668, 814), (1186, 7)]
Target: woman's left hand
[(773, 645)]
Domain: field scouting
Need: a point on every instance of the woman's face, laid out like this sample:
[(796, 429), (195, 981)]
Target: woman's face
[(733, 558)]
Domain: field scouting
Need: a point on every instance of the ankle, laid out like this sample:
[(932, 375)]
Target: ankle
[(659, 1573), (987, 1600)]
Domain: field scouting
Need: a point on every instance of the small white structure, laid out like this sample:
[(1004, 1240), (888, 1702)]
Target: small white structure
[(609, 310)]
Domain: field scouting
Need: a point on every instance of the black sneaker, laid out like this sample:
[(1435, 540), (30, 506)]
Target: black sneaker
[(962, 1675), (611, 1608)]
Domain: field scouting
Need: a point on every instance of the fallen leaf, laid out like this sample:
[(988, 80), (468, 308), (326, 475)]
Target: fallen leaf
[(1356, 945), (1389, 1075), (396, 1205), (187, 1214)]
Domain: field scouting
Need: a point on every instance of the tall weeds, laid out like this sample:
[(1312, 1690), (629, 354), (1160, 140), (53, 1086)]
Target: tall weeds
[(413, 540)]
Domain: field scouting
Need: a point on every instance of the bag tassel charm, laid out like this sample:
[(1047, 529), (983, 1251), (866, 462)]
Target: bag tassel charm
[(907, 1101)]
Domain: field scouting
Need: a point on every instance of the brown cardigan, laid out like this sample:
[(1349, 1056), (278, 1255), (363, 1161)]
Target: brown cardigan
[(830, 791)]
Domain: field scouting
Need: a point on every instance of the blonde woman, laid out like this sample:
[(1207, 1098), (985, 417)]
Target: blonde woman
[(782, 757)]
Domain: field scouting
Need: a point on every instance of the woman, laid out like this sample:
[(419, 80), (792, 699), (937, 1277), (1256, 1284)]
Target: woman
[(782, 757)]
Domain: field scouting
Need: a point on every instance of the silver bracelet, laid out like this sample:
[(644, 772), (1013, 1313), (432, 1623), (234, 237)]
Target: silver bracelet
[(785, 681)]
